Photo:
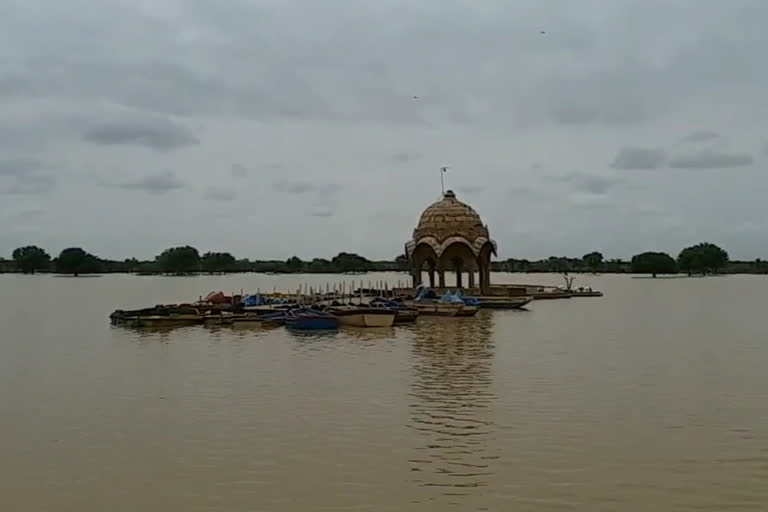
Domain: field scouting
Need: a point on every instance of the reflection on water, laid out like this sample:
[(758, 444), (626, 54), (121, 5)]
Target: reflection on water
[(167, 334), (450, 405)]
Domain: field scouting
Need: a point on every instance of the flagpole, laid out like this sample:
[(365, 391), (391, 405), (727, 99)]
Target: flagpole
[(442, 181)]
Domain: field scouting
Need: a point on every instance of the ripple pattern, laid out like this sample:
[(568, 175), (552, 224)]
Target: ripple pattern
[(451, 406)]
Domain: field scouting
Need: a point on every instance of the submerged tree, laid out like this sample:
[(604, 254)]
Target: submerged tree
[(653, 263), (294, 264), (31, 258), (401, 262), (76, 261), (320, 265), (217, 262), (179, 260), (702, 258), (350, 262), (593, 260)]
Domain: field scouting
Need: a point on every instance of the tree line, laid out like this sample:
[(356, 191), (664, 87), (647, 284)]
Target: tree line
[(185, 260), (702, 258)]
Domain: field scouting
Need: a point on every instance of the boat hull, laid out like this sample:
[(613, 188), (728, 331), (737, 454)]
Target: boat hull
[(587, 294), (273, 319), (245, 320), (437, 308), (504, 302), (365, 317), (160, 320), (218, 319), (368, 320), (405, 316), (467, 311)]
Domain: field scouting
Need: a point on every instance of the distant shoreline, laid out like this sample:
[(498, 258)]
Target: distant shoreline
[(362, 273)]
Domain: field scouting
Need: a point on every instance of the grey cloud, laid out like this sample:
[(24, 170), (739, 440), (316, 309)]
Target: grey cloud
[(575, 114), (407, 156), (155, 133), (765, 148), (472, 189), (31, 184), (597, 184), (304, 187), (19, 167), (712, 160), (491, 89), (590, 183), (219, 194), (13, 86), (701, 136), (154, 184), (616, 113), (239, 171), (297, 187), (24, 177), (617, 80), (639, 158), (322, 213), (28, 214)]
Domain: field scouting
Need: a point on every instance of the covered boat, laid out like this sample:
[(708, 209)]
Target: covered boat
[(306, 318), (450, 304)]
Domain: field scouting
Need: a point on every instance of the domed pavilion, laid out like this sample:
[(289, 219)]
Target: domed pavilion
[(451, 236)]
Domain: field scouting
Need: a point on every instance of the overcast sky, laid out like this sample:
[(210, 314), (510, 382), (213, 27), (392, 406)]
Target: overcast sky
[(271, 128)]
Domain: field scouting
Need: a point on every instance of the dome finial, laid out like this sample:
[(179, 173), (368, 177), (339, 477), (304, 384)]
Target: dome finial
[(449, 194)]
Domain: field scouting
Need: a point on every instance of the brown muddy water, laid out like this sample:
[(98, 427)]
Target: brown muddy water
[(654, 397)]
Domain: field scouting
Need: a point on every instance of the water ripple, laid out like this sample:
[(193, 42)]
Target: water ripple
[(451, 402)]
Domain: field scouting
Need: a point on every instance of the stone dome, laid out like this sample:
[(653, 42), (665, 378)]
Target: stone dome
[(449, 221)]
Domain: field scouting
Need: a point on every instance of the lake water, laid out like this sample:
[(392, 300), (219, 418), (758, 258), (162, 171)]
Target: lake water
[(654, 397)]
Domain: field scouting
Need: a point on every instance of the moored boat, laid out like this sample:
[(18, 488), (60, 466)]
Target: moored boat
[(468, 310), (218, 318), (161, 320), (306, 318), (586, 292), (158, 316), (503, 302), (363, 316), (246, 319), (272, 319), (436, 308), (403, 313)]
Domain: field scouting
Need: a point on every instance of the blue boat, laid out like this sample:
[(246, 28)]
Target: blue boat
[(305, 318)]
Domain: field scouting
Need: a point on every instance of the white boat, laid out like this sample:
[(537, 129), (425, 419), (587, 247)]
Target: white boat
[(363, 316)]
